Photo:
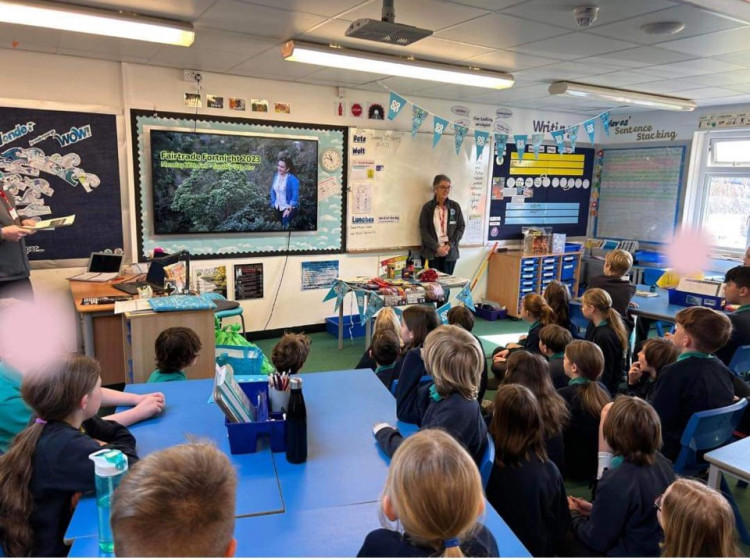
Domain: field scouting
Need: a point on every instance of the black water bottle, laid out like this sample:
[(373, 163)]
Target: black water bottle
[(296, 424)]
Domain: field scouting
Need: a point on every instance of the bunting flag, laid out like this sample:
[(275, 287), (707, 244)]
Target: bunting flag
[(559, 137), (334, 291), (590, 126), (338, 290), (418, 115), (443, 312), (399, 313), (480, 139), (464, 296), (500, 141), (395, 105), (438, 127), (374, 304), (360, 295), (461, 131), (572, 133), (536, 143), (605, 122), (520, 144)]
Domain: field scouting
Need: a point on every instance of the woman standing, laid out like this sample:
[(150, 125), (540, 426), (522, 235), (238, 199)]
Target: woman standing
[(285, 191), (441, 227)]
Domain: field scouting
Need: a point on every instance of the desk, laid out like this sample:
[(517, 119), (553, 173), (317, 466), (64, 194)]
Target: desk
[(124, 344), (657, 308), (731, 459)]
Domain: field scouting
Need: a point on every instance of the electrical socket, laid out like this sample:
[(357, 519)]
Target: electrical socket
[(191, 76)]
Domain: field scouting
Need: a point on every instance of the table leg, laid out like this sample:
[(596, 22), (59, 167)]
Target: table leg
[(341, 326), (714, 477), (88, 334)]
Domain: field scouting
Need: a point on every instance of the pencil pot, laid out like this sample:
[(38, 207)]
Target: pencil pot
[(278, 399), (243, 436)]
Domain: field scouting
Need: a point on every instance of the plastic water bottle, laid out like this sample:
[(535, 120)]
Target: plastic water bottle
[(296, 424), (110, 465)]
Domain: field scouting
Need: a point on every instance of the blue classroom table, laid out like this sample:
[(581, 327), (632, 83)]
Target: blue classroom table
[(188, 413)]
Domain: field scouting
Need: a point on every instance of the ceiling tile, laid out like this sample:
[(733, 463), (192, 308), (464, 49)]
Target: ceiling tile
[(109, 47), (27, 37), (227, 41), (344, 77), (689, 68), (500, 31), (103, 55), (560, 12), (712, 44), (697, 22), (574, 45), (733, 100), (638, 57), (269, 64), (618, 79), (262, 21), (427, 14), (667, 86), (407, 86), (187, 10), (562, 71), (451, 91), (510, 61), (744, 88), (328, 8), (492, 5), (706, 93), (204, 59), (741, 58), (723, 78)]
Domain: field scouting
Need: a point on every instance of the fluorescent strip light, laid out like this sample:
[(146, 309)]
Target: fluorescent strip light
[(349, 59), (83, 19), (622, 96)]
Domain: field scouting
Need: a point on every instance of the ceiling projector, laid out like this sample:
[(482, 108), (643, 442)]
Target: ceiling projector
[(386, 30)]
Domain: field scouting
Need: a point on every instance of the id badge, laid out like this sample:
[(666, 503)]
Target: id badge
[(13, 214)]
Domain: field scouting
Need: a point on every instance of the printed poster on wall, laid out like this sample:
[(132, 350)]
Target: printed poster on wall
[(318, 275), (248, 281), (57, 163), (206, 280)]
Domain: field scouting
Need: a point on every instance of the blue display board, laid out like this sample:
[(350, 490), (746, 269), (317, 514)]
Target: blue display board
[(57, 163), (552, 191)]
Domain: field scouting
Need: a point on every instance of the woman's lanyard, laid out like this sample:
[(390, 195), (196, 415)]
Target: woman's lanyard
[(6, 201), (443, 222)]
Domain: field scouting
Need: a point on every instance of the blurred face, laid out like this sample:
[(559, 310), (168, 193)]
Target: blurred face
[(642, 359), (568, 367), (282, 168), (525, 315), (746, 260), (679, 338), (406, 334), (733, 293), (94, 401), (588, 310), (442, 190), (658, 505)]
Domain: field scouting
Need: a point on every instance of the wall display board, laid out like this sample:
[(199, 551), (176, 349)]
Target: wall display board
[(639, 193), (213, 185), (551, 191), (57, 163), (390, 178)]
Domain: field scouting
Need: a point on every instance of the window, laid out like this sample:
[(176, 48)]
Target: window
[(718, 197)]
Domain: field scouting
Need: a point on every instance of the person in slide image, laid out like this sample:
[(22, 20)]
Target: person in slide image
[(441, 227), (285, 191), (14, 264)]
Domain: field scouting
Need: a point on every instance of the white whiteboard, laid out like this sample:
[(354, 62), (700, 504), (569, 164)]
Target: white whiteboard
[(640, 193), (390, 179)]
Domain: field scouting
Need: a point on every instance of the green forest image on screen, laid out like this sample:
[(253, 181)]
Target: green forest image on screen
[(222, 183)]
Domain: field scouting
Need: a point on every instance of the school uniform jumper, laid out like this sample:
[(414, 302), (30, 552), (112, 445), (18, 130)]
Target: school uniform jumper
[(621, 291), (14, 412), (581, 435), (62, 468), (385, 374), (623, 517), (694, 383), (158, 376), (740, 334), (385, 543), (366, 361), (557, 371), (460, 417), (531, 498), (530, 344), (412, 371), (605, 338)]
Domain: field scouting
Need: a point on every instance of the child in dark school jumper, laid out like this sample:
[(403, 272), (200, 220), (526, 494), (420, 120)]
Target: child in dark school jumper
[(608, 332), (552, 342), (434, 491), (462, 317), (48, 463), (454, 360), (617, 264)]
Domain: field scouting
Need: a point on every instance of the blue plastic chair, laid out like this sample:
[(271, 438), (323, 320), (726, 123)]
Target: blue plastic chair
[(485, 466), (577, 319), (704, 432), (424, 380), (740, 362), (224, 311)]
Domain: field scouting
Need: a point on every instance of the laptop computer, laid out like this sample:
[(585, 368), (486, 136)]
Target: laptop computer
[(102, 267), (154, 277)]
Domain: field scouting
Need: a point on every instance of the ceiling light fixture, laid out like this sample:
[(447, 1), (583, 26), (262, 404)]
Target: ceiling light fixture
[(662, 27), (622, 96), (83, 19), (350, 59)]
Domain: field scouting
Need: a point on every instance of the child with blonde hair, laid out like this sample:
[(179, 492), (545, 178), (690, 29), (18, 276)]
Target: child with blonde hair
[(608, 332), (386, 319), (585, 397), (698, 522), (454, 360), (461, 316), (617, 264), (434, 491), (48, 463)]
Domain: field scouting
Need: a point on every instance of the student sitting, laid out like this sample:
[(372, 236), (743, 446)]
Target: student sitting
[(417, 322), (608, 332), (698, 522), (385, 319), (697, 381), (453, 357), (176, 348), (622, 519), (289, 353), (617, 264), (462, 317), (384, 349), (48, 462), (434, 492), (557, 296), (534, 310), (532, 372), (655, 354), (526, 488), (552, 342), (177, 502), (737, 292), (585, 397)]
